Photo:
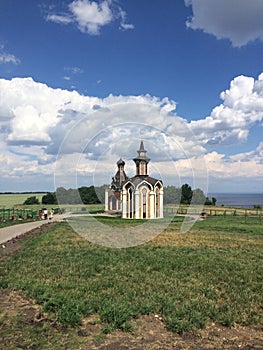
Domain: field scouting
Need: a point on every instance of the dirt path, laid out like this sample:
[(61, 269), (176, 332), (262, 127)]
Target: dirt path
[(9, 232)]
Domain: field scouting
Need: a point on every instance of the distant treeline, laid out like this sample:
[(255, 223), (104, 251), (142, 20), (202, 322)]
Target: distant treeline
[(95, 195), (27, 192), (185, 195)]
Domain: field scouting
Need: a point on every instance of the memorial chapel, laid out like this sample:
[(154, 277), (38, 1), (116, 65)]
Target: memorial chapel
[(138, 197)]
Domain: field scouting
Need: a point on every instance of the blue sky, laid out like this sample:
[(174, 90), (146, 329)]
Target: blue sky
[(185, 74)]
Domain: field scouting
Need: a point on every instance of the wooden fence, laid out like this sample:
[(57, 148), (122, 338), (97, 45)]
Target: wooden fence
[(215, 211), (17, 214), (20, 214)]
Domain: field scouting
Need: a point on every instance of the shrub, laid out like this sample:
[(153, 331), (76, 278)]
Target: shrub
[(31, 200)]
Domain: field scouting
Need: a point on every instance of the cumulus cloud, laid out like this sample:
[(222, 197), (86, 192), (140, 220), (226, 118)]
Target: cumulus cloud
[(241, 172), (91, 16), (240, 21), (34, 112), (255, 155), (43, 130), (64, 123), (238, 173), (230, 122)]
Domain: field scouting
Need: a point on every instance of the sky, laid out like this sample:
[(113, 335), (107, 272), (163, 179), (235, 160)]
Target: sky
[(82, 82)]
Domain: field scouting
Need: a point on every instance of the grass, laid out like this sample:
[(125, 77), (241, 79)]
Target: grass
[(211, 273), (11, 200), (16, 199)]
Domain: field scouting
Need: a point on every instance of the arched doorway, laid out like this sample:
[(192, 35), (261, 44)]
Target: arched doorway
[(144, 203)]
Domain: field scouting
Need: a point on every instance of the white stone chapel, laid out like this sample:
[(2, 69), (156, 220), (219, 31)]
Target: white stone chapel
[(138, 197)]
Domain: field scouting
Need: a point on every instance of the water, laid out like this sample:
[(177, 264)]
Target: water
[(246, 200)]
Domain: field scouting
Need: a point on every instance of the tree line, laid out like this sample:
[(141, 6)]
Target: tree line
[(95, 195), (82, 195), (185, 195)]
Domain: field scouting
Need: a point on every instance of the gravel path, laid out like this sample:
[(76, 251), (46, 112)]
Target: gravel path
[(12, 231)]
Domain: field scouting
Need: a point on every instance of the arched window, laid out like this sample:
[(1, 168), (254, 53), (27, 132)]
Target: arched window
[(130, 203), (112, 201), (157, 200), (144, 203)]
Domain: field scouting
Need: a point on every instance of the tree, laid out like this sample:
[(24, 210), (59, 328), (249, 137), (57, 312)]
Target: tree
[(210, 202), (49, 198), (184, 195), (172, 195), (61, 195), (88, 195), (73, 196), (100, 191), (82, 195), (198, 197), (31, 200), (187, 194), (70, 196)]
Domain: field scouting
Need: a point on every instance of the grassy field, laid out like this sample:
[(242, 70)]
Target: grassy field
[(16, 199), (214, 272)]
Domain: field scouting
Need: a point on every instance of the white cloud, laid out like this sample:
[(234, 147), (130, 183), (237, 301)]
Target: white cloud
[(29, 110), (74, 70), (26, 124), (60, 19), (239, 173), (256, 155), (230, 122), (235, 168), (91, 16), (240, 21), (34, 116), (124, 25), (38, 122), (8, 58)]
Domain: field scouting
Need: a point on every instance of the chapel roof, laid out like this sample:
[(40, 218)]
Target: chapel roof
[(120, 162), (138, 179)]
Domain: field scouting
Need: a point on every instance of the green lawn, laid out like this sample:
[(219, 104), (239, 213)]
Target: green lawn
[(214, 272), (16, 199)]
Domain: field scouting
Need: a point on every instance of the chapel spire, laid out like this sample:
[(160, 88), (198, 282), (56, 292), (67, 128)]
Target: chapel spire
[(120, 176), (141, 161)]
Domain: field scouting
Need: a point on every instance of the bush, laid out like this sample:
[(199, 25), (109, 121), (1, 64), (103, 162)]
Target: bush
[(211, 202), (31, 200), (49, 198)]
